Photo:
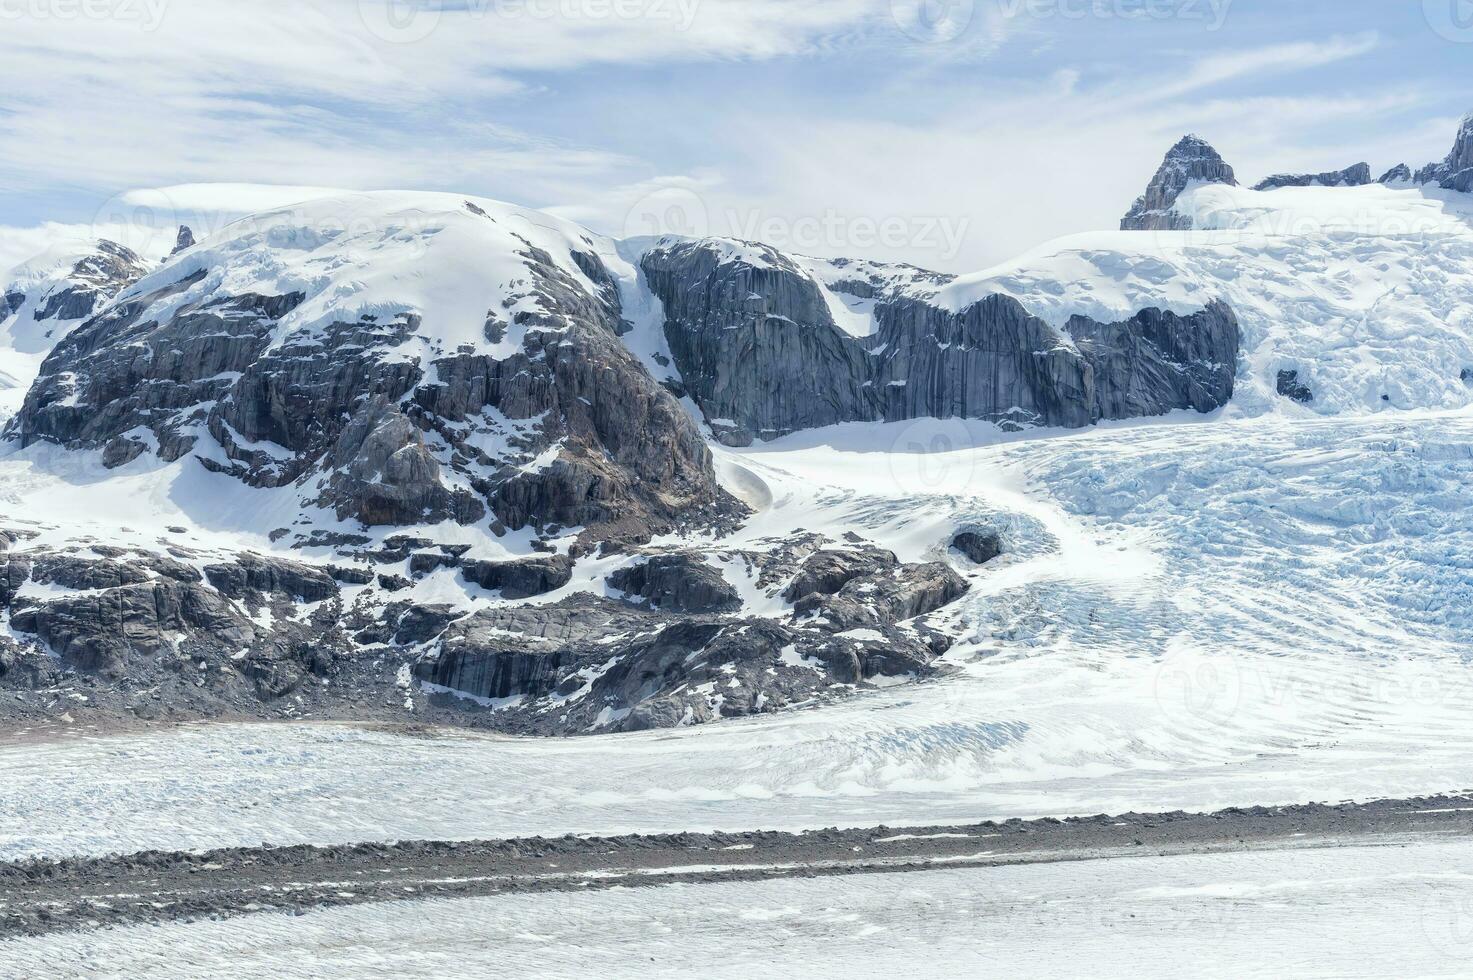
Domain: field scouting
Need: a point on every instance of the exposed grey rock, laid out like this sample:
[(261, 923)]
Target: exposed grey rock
[(101, 631), (826, 571), (1290, 386), (261, 574), (95, 278), (877, 600), (419, 624), (1191, 160), (591, 440), (1158, 361), (759, 352), (1397, 174), (1356, 175), (680, 582), (522, 578), (980, 546), (185, 239), (149, 632), (424, 562), (1456, 171)]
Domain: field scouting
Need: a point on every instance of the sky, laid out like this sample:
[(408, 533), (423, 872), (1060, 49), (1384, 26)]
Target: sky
[(953, 134)]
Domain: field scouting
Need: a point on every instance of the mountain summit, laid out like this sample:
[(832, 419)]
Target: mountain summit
[(1191, 160), (1455, 173)]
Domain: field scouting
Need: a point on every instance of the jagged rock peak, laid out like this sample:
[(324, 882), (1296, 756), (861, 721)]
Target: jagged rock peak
[(184, 240), (1456, 171), (1354, 176), (1397, 174), (1191, 160)]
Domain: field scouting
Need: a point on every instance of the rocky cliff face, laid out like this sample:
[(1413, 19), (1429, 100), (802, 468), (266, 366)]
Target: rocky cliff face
[(404, 407), (1191, 161), (760, 347), (1353, 176), (1456, 171)]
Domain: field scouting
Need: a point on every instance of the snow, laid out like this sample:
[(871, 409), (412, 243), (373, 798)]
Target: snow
[(445, 258), (1362, 911), (1266, 605), (1366, 291), (1193, 614)]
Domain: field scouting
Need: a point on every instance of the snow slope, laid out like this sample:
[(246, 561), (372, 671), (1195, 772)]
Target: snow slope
[(1366, 291), (24, 340)]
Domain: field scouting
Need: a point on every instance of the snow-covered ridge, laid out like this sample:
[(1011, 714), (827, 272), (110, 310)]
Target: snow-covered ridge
[(445, 258), (1366, 292)]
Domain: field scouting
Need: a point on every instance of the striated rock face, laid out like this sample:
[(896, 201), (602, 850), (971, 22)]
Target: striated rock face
[(686, 655), (759, 350), (1456, 171), (534, 415), (1354, 176), (1191, 161)]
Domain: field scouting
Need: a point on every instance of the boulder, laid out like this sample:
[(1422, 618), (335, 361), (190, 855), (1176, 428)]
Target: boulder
[(522, 578), (679, 582), (980, 546)]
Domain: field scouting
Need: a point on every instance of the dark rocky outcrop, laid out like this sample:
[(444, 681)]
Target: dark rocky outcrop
[(520, 579), (185, 239), (760, 353), (680, 582), (1357, 175), (100, 631), (1191, 160), (567, 431), (1289, 385), (264, 635), (250, 573), (980, 546)]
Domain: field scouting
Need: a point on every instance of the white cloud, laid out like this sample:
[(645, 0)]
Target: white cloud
[(1270, 59)]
